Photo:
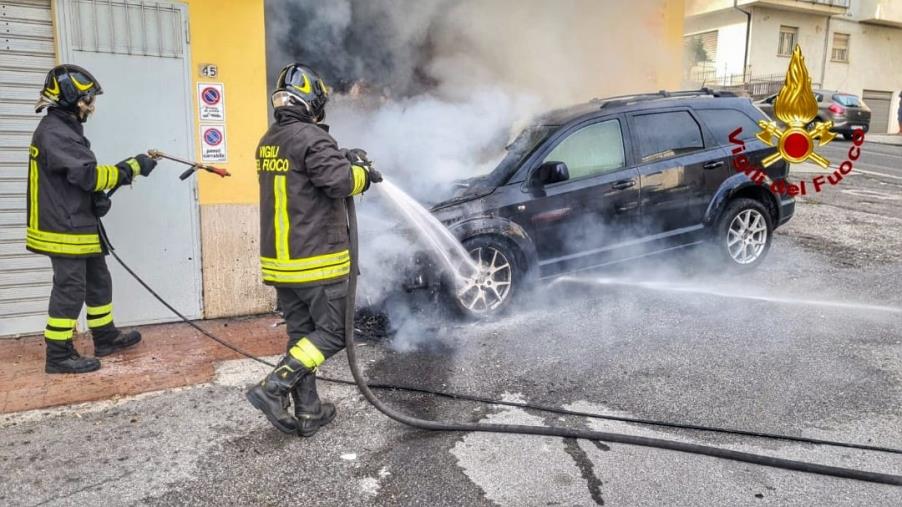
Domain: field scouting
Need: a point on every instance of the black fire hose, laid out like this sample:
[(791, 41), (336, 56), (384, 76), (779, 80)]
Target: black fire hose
[(788, 464), (365, 389)]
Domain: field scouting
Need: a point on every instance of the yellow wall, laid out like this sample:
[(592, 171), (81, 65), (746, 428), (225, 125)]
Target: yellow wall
[(231, 35), (669, 78)]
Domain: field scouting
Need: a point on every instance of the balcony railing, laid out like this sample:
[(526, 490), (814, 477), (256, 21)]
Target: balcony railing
[(753, 86)]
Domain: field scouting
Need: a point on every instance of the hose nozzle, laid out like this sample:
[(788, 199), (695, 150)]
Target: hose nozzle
[(157, 155)]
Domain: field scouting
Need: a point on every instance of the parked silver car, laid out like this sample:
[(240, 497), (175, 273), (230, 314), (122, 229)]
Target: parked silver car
[(845, 110)]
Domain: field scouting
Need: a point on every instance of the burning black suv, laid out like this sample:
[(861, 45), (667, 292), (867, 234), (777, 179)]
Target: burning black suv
[(611, 181)]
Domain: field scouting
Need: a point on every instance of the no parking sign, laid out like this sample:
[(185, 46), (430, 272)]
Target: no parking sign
[(211, 101), (213, 143)]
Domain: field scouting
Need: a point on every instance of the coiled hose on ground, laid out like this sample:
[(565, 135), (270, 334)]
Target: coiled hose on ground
[(366, 390), (716, 452)]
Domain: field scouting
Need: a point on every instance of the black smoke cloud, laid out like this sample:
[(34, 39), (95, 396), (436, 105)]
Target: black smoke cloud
[(384, 43)]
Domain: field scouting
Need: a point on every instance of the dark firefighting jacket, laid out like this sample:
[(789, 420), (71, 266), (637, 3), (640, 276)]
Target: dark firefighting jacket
[(63, 176), (304, 180)]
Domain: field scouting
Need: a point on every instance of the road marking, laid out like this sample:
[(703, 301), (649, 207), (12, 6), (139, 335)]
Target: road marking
[(806, 167), (874, 194), (856, 170)]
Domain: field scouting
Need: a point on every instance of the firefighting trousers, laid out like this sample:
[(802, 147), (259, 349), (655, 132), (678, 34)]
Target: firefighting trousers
[(76, 282), (314, 317)]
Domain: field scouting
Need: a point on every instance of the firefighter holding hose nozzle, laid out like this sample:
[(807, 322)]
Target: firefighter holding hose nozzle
[(66, 198), (305, 180)]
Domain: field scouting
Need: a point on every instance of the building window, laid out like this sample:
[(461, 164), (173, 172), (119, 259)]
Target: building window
[(788, 37), (840, 47), (702, 47)]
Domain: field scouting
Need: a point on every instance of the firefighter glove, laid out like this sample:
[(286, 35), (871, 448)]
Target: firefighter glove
[(358, 157), (100, 203), (147, 164), (372, 175)]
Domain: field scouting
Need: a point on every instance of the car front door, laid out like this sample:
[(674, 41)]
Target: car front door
[(572, 221), (674, 163)]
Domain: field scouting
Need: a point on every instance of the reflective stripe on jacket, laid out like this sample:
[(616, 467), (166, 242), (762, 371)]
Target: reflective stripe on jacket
[(304, 180), (62, 176)]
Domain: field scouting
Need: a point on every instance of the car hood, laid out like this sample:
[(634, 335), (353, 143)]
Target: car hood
[(465, 190)]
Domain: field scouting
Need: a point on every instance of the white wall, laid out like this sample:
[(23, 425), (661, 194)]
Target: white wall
[(730, 26), (765, 41), (875, 52), (875, 62), (731, 48)]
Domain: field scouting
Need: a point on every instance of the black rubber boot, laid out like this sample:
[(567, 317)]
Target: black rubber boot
[(110, 339), (271, 395), (310, 413), (63, 358)]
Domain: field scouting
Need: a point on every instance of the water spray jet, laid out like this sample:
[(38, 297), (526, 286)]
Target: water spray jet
[(672, 287)]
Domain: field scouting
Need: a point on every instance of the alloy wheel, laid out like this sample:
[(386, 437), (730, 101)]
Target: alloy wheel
[(747, 236), (491, 286)]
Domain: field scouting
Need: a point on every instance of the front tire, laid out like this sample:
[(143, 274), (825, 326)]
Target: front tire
[(489, 292), (744, 234)]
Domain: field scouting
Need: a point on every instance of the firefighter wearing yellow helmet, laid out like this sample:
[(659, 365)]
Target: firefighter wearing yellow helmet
[(66, 197), (304, 243)]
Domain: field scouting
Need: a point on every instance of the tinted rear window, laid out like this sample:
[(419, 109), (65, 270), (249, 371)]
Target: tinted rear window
[(664, 135), (847, 100), (724, 121)]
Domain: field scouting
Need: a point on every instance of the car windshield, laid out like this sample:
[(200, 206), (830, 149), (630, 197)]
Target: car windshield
[(518, 149), (847, 100)]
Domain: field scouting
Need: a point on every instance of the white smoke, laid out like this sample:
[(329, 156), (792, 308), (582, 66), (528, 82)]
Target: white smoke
[(435, 89)]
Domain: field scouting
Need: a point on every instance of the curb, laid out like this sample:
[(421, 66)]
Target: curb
[(884, 141)]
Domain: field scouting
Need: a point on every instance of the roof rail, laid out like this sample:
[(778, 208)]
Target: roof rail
[(625, 99)]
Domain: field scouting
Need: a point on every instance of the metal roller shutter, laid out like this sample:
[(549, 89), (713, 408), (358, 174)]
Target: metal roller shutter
[(880, 104), (27, 51)]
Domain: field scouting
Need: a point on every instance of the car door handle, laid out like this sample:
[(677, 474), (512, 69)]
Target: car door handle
[(713, 165), (622, 184)]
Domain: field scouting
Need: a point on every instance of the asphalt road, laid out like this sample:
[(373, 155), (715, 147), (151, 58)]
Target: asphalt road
[(793, 348), (883, 158)]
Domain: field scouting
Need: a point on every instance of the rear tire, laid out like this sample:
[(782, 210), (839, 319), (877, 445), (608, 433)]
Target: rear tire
[(491, 292), (743, 234)]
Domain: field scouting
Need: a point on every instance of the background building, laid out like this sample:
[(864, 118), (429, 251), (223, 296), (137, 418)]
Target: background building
[(849, 45), (189, 239)]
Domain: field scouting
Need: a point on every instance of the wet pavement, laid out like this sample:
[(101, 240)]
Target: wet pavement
[(670, 341)]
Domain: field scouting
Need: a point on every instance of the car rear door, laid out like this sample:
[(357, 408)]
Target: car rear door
[(674, 161), (571, 222)]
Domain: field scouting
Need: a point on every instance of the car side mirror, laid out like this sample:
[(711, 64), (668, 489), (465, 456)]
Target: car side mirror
[(548, 173)]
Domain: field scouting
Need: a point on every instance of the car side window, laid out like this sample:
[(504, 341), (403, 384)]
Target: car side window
[(665, 135), (592, 150), (723, 122)]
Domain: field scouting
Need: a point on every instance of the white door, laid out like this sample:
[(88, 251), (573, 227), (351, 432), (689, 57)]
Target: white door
[(138, 51)]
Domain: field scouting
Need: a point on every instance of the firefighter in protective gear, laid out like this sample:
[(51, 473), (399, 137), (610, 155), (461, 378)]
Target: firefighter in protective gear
[(304, 244), (66, 196)]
